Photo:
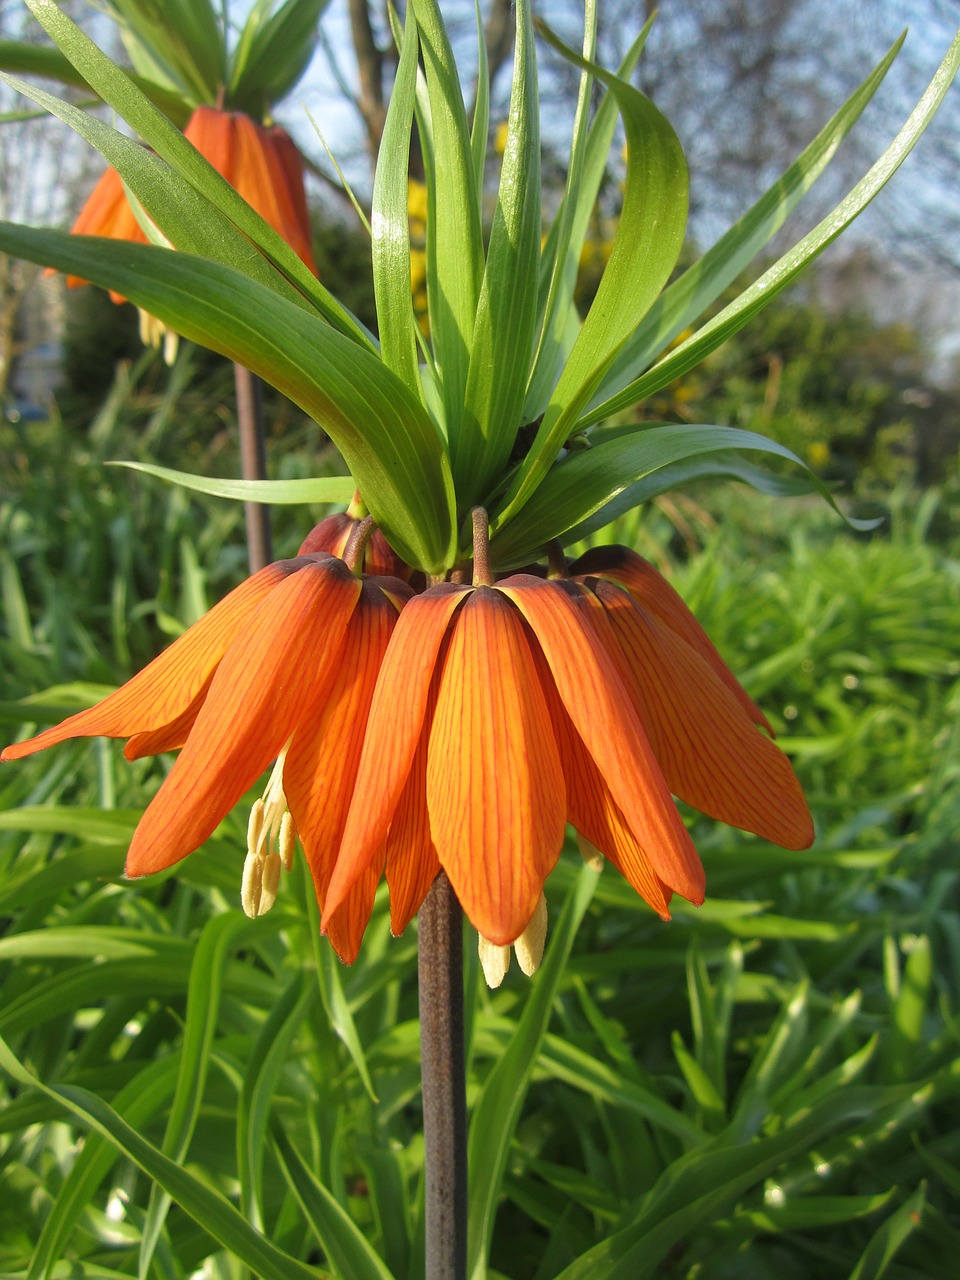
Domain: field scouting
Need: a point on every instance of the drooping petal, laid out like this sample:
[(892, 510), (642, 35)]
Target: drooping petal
[(649, 588), (565, 619), (262, 180), (393, 730), (495, 790), (346, 926), (711, 753), (269, 681), (170, 737), (412, 862), (321, 763), (166, 689), (592, 810), (107, 212)]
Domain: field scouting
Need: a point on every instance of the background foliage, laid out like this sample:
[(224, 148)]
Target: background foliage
[(768, 1084)]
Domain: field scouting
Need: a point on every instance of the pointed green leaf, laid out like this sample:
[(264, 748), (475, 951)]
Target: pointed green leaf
[(455, 244), (387, 440), (589, 153), (733, 317), (587, 480), (336, 489), (215, 1214), (688, 297), (498, 1107), (350, 1253), (390, 224), (644, 252), (272, 53), (879, 1253), (503, 335), (481, 107), (40, 60), (184, 36)]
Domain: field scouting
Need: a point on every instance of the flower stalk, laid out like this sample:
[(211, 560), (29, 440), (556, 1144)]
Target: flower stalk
[(440, 968), (253, 464)]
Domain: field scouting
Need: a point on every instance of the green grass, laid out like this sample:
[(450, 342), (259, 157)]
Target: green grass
[(767, 1086)]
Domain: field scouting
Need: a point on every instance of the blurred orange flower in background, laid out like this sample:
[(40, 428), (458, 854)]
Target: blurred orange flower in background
[(260, 162)]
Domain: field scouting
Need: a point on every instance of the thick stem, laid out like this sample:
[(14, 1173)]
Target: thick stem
[(444, 1085), (253, 464)]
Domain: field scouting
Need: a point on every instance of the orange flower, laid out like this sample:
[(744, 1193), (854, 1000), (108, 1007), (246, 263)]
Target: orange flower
[(261, 163), (334, 534), (500, 714), (702, 724), (282, 669)]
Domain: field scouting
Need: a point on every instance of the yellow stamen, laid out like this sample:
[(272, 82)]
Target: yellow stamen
[(494, 960), (271, 838), (590, 853), (251, 886), (529, 946)]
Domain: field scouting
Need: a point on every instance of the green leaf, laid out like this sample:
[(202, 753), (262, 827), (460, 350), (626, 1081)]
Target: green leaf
[(350, 1253), (211, 1210), (481, 106), (733, 317), (706, 1183), (321, 489), (390, 224), (587, 480), (506, 313), (273, 52), (203, 1006), (589, 153), (497, 1109), (455, 245), (679, 475), (106, 79), (335, 1002), (389, 444), (688, 297), (261, 1072), (184, 36), (114, 827), (40, 60), (645, 251), (879, 1253), (138, 1101)]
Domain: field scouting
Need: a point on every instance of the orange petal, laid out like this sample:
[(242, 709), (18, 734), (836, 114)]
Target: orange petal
[(163, 691), (269, 681), (212, 132), (393, 730), (172, 736), (495, 789), (711, 753), (321, 764), (564, 618), (107, 213), (593, 811), (412, 862), (345, 928), (262, 180), (649, 588), (291, 162)]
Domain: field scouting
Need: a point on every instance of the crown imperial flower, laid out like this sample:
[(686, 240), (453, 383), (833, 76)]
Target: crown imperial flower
[(282, 669)]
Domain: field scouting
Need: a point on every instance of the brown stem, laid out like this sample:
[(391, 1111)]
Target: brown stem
[(482, 577), (440, 946), (253, 464)]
